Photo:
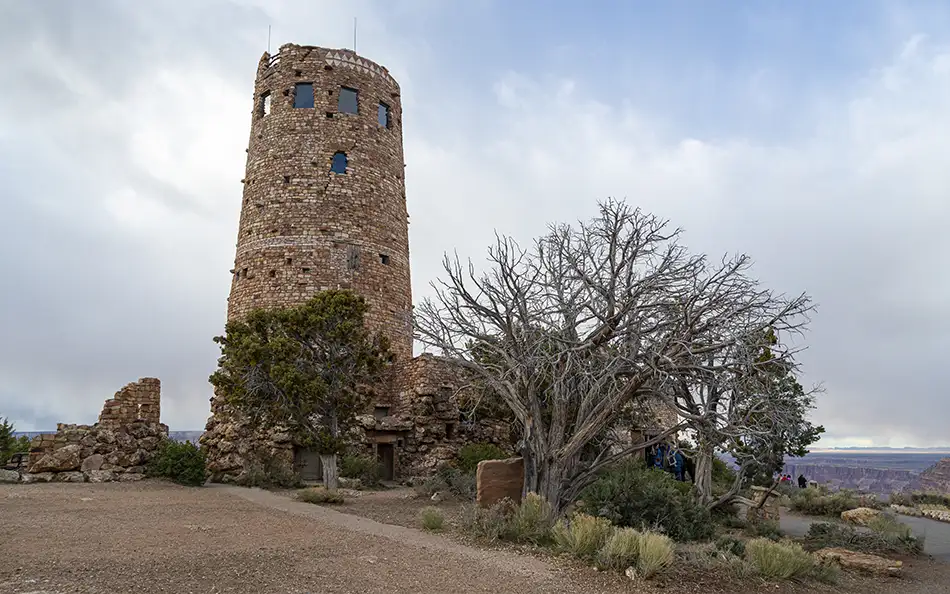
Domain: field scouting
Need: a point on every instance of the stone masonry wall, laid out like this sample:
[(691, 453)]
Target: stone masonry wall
[(303, 228), (116, 448)]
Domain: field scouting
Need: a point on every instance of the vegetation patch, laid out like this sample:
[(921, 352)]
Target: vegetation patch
[(319, 495), (634, 496), (470, 455), (883, 537), (363, 467), (582, 535), (181, 462), (784, 561), (816, 502), (431, 518)]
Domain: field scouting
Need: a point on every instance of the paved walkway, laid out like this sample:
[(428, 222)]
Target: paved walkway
[(936, 534)]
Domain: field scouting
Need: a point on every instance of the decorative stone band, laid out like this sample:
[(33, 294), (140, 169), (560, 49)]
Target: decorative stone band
[(337, 59), (304, 241)]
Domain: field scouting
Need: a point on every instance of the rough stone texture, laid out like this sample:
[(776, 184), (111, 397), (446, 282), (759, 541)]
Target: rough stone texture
[(863, 562), (860, 516), (304, 229), (125, 438), (936, 479), (499, 479), (138, 401), (9, 476), (770, 511)]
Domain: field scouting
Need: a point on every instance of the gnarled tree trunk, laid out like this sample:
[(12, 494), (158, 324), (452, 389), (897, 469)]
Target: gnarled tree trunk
[(330, 475)]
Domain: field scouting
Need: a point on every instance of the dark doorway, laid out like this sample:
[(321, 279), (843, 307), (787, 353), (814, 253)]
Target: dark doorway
[(308, 465), (386, 455)]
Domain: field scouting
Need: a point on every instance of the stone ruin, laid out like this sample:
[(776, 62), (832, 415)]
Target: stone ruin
[(116, 448)]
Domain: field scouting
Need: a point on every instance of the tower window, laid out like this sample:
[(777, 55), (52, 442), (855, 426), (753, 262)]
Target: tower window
[(384, 258), (273, 274), (264, 107), (348, 101), (381, 412), (303, 95), (339, 163), (382, 115)]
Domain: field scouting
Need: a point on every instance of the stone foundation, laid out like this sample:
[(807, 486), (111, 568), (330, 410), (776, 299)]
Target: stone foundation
[(767, 512), (415, 412), (116, 448)]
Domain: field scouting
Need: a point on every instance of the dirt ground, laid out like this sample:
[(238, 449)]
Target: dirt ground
[(156, 537)]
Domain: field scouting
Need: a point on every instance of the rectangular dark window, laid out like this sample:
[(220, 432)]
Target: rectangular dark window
[(381, 412), (349, 102), (382, 115), (303, 95), (265, 104), (384, 258)]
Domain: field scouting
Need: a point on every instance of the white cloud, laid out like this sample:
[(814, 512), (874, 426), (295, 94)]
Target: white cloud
[(133, 179)]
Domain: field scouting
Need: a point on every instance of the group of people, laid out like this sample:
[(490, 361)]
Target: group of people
[(787, 478)]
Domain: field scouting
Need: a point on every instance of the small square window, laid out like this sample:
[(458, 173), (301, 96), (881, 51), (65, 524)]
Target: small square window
[(381, 412), (273, 274), (348, 101), (289, 261), (339, 163), (305, 270), (382, 115), (384, 258), (303, 95)]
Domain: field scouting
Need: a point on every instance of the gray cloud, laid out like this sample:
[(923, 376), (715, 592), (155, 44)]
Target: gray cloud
[(122, 136)]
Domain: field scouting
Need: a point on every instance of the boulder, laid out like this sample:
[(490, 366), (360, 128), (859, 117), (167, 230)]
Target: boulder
[(9, 476), (862, 562), (127, 477), (861, 516), (499, 479), (39, 477), (63, 459), (92, 463), (69, 477), (100, 476)]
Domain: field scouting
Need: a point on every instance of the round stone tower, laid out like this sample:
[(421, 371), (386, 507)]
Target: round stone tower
[(324, 202)]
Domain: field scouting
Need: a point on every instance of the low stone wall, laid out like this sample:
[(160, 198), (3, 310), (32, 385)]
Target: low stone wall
[(116, 448), (767, 512)]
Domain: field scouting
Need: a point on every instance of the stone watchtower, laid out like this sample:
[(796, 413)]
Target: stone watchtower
[(324, 203), (324, 207)]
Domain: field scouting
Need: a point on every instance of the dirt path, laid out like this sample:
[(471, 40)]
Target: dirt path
[(497, 561), (156, 537)]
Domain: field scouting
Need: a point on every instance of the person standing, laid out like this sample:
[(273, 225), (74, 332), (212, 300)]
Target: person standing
[(802, 481)]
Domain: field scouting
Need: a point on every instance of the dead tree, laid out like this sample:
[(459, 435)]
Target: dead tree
[(580, 328)]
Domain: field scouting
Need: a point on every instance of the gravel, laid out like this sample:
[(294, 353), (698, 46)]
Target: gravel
[(157, 537)]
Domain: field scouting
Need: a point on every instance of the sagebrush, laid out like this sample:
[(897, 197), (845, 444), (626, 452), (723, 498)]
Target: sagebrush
[(815, 502), (181, 462), (431, 518), (320, 495), (451, 481), (779, 561), (582, 535)]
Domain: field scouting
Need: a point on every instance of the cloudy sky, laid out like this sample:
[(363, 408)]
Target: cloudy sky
[(815, 139)]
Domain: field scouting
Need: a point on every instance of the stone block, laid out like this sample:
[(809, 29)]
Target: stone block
[(861, 516), (499, 479), (93, 462), (39, 477), (9, 476), (862, 562), (100, 476), (69, 477)]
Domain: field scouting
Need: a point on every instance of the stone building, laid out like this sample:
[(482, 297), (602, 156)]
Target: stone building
[(324, 207)]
